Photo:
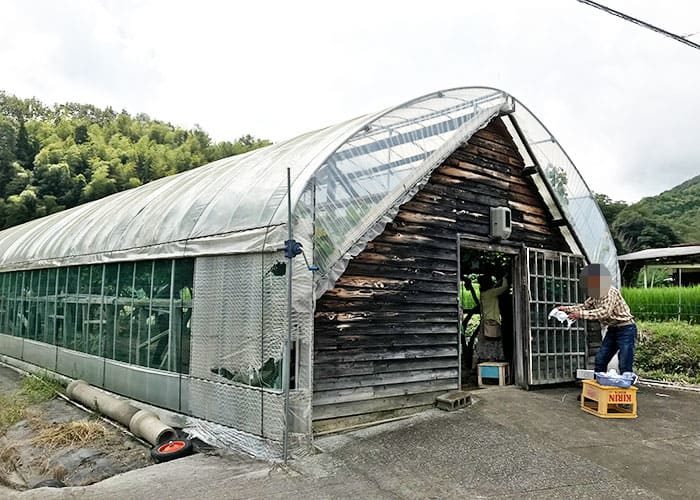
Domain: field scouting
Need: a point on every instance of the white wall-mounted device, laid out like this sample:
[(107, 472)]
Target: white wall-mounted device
[(500, 223)]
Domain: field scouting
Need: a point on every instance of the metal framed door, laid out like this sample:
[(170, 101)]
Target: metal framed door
[(555, 351)]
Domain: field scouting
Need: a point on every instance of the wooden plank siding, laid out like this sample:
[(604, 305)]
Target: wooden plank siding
[(386, 336)]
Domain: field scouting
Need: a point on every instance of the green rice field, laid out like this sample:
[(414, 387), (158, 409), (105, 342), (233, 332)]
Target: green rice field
[(664, 303)]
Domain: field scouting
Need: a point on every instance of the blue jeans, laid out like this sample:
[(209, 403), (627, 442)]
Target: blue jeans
[(618, 338)]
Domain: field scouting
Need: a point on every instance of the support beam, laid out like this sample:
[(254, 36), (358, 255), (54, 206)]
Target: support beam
[(645, 276)]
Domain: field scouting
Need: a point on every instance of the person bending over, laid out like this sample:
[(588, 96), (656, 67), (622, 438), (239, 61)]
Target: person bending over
[(606, 304)]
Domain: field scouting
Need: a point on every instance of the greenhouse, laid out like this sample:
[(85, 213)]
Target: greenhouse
[(176, 293)]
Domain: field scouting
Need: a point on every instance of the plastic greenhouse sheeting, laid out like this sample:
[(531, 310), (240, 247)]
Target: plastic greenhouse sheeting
[(347, 182)]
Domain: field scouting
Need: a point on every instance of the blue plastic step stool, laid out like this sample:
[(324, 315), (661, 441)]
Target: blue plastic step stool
[(493, 370)]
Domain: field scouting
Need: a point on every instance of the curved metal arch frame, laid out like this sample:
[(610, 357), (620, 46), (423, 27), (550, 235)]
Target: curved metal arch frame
[(441, 94)]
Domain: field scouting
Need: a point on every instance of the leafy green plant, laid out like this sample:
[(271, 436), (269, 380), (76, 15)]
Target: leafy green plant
[(669, 351)]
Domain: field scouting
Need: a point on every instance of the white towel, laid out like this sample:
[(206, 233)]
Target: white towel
[(561, 316)]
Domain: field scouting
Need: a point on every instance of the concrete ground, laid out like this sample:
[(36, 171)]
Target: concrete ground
[(509, 444)]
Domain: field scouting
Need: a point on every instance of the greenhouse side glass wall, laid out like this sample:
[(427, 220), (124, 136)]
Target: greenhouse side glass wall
[(135, 312)]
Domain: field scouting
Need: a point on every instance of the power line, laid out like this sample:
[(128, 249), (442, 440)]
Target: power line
[(641, 23)]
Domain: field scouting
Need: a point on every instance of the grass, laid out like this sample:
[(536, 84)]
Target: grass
[(664, 303), (11, 411), (33, 390), (75, 433), (669, 351), (38, 388)]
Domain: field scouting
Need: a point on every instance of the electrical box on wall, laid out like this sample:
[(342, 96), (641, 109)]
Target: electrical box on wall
[(500, 223)]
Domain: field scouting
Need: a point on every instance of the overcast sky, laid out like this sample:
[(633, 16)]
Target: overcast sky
[(623, 101)]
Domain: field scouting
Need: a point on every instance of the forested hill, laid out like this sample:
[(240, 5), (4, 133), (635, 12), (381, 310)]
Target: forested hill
[(669, 218), (57, 157), (679, 207)]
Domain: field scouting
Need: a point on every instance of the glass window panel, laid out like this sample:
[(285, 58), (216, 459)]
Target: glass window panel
[(72, 308), (57, 304), (542, 338), (556, 289), (3, 300), (109, 323), (125, 316), (141, 313), (84, 281), (563, 341), (41, 333), (9, 303), (549, 290), (182, 311), (581, 338), (93, 321), (540, 264), (552, 367), (26, 293), (573, 271), (535, 346), (12, 304), (31, 298), (81, 303), (159, 322), (48, 307), (543, 315), (533, 313)]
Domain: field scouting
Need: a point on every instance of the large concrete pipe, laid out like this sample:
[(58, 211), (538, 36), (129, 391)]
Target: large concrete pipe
[(102, 403), (146, 426)]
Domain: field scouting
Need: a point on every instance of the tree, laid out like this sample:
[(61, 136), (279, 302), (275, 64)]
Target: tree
[(54, 180), (100, 184), (20, 208), (611, 209), (56, 157), (8, 148), (637, 231), (20, 179), (80, 135), (25, 148)]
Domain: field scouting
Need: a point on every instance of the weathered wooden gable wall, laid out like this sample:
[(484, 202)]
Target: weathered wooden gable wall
[(386, 334)]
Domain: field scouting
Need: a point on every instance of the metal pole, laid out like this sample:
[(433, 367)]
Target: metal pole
[(680, 285), (460, 312), (286, 365)]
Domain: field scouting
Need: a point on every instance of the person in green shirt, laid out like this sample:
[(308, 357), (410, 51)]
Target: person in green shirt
[(470, 306), (489, 345)]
